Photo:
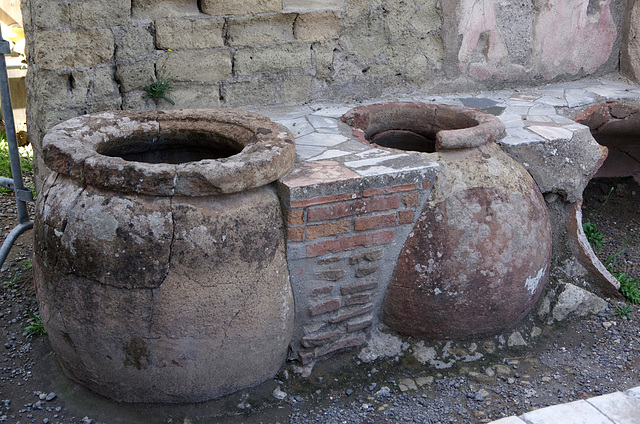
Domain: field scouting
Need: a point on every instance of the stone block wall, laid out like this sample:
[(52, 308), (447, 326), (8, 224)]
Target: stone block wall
[(93, 55), (342, 250)]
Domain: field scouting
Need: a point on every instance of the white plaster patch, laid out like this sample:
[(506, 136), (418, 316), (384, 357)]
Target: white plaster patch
[(532, 283)]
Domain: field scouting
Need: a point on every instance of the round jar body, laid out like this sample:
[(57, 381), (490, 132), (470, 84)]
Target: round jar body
[(160, 264), (163, 299), (479, 255)]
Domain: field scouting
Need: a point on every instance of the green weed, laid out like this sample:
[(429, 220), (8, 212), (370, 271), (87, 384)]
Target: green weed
[(161, 86), (26, 160), (628, 287), (595, 237), (35, 327), (623, 311), (9, 284)]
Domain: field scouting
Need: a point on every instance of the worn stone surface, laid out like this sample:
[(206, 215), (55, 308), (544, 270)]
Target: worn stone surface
[(261, 29), (630, 57), (87, 47), (574, 300), (257, 151), (206, 65), (562, 164), (181, 33), (193, 290), (230, 7)]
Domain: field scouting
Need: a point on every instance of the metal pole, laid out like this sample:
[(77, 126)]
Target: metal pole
[(16, 183)]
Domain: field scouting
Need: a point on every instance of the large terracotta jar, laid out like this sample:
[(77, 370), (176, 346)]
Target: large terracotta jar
[(479, 254), (160, 262)]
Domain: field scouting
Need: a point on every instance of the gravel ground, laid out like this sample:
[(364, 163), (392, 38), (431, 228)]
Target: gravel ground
[(572, 360)]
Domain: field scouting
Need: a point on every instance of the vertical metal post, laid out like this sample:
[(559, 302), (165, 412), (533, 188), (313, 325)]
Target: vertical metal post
[(16, 183)]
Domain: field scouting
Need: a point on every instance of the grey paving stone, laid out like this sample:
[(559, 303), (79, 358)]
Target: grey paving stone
[(634, 392), (579, 412), (508, 420), (621, 408)]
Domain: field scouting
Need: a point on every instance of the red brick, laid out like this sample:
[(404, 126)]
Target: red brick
[(328, 229), (357, 299), (351, 314), (321, 338), (331, 274), (295, 233), (357, 326), (324, 307), (363, 272), (350, 243), (357, 288), (305, 357), (375, 222), (426, 184), (356, 207), (389, 190), (320, 291), (346, 343), (410, 200), (295, 217), (405, 217), (324, 199)]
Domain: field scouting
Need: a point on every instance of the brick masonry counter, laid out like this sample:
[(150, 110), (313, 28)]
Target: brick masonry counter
[(350, 206)]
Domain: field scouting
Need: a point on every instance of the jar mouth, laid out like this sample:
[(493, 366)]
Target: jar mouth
[(423, 127), (190, 146), (195, 152)]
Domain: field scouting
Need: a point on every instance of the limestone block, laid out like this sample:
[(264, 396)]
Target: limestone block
[(354, 9), (189, 33), (323, 52), (367, 38), (134, 42), (272, 59), (103, 83), (134, 76), (234, 7), (45, 14), (398, 17), (577, 301), (93, 13), (154, 9), (81, 48), (261, 30), (318, 26), (295, 89), (428, 18), (630, 59), (51, 87), (305, 5), (78, 87), (250, 93), (197, 65), (194, 97)]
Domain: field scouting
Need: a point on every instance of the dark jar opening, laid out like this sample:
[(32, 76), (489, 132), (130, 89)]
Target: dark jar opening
[(191, 146)]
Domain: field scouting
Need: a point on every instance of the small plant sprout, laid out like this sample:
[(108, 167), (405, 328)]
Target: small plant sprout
[(9, 284), (160, 87), (594, 237), (628, 287), (623, 311), (35, 327)]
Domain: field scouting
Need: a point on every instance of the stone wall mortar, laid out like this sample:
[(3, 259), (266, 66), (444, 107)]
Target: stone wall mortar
[(342, 251)]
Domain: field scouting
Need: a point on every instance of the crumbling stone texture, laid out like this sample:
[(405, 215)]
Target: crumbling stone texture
[(630, 58), (233, 7)]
